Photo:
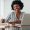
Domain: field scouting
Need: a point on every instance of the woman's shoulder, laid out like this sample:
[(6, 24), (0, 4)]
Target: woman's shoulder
[(13, 12), (22, 12)]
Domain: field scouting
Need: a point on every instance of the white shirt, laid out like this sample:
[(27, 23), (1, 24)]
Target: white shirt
[(12, 17)]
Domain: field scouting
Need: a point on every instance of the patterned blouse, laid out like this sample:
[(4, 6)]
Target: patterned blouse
[(12, 17)]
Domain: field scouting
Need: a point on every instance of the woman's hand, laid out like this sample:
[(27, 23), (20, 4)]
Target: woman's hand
[(17, 21)]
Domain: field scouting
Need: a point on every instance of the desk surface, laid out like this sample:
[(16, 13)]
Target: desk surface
[(3, 25)]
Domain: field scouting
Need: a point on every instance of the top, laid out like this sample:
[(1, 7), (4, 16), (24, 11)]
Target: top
[(12, 17)]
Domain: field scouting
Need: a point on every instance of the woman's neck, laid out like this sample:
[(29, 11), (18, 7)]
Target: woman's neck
[(18, 12)]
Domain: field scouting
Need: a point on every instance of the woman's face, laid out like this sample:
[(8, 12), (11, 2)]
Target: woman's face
[(16, 7)]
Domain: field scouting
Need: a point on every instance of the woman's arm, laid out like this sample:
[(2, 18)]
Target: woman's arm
[(8, 18), (17, 21)]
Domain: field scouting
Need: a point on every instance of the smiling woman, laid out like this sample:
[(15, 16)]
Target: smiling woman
[(16, 16)]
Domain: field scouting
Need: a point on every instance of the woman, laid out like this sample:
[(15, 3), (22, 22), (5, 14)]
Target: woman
[(16, 15)]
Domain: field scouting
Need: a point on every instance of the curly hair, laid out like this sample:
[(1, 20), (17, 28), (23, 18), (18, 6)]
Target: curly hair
[(17, 2)]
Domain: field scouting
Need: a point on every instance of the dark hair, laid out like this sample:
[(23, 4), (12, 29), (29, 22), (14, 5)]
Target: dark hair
[(17, 2)]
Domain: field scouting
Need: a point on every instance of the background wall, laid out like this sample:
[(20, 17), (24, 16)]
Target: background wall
[(1, 8)]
